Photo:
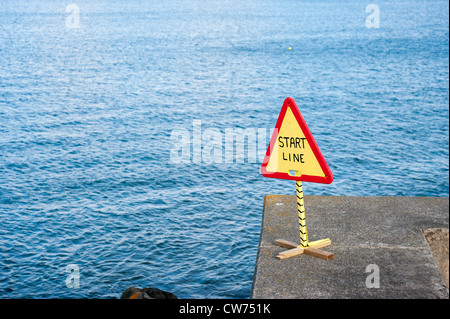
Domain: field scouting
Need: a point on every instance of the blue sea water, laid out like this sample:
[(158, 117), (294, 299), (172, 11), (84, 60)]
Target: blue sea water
[(87, 170)]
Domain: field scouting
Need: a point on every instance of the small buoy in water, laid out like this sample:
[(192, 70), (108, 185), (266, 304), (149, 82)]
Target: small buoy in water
[(289, 48)]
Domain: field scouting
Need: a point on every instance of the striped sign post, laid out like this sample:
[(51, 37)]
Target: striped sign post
[(301, 215), (293, 154)]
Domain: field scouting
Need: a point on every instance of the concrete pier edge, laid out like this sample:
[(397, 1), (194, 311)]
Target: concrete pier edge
[(367, 233)]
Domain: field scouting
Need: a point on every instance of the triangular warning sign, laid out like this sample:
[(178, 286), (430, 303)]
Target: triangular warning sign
[(293, 153)]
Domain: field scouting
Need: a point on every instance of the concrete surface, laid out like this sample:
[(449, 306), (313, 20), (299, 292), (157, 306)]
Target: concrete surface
[(437, 239), (387, 232)]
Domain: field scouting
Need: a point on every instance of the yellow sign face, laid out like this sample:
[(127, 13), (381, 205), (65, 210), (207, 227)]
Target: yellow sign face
[(293, 152)]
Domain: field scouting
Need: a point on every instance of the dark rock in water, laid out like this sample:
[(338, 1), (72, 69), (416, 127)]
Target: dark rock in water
[(146, 293), (156, 293), (129, 292)]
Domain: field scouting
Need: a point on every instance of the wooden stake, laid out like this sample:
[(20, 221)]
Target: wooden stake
[(319, 253), (291, 252), (285, 243), (312, 250)]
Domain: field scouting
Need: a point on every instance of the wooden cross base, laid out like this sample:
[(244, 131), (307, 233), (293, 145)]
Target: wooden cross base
[(312, 249)]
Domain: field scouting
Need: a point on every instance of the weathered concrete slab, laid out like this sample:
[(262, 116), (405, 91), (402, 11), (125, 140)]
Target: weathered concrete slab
[(437, 239), (385, 231)]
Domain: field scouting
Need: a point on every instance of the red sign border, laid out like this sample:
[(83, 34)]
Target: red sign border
[(327, 179)]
